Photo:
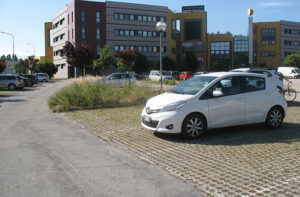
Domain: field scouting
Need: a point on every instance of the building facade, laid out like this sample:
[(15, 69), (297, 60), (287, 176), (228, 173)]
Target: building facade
[(48, 42)]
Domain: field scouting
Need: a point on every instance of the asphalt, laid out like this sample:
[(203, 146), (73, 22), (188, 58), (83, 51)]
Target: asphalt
[(43, 154)]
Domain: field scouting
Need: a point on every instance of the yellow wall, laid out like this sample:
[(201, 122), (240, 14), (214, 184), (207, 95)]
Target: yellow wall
[(259, 48), (48, 47), (218, 38), (182, 17), (171, 42)]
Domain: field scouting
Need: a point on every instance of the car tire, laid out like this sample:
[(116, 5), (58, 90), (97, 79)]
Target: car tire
[(193, 126), (274, 118), (12, 87)]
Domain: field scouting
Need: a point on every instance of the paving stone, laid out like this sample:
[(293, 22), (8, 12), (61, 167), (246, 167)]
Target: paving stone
[(239, 161)]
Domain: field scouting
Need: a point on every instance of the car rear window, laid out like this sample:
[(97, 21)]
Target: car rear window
[(250, 84)]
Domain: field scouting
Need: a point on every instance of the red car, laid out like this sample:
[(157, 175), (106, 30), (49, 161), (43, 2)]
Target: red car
[(185, 75)]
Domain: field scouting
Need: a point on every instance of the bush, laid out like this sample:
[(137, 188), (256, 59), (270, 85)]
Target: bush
[(84, 94), (169, 82)]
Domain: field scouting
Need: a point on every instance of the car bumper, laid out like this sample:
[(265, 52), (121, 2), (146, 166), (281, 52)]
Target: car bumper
[(159, 122)]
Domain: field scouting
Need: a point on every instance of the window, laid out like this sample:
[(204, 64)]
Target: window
[(126, 16), (116, 15), (131, 32), (98, 32), (229, 86), (150, 49), (162, 19), (116, 32), (131, 17), (122, 48), (192, 30), (145, 49), (250, 84), (268, 36), (154, 18), (149, 33), (145, 33), (116, 48), (149, 18), (144, 18), (121, 32), (126, 32), (83, 25), (139, 18), (140, 33), (121, 16), (268, 53)]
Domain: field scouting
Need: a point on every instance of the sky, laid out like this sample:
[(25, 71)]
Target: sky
[(25, 19)]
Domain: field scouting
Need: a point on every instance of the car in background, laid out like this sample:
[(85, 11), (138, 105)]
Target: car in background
[(289, 72), (200, 73), (27, 81), (117, 79), (12, 82), (275, 77), (175, 74), (155, 75), (33, 79), (215, 100), (42, 77), (143, 76), (185, 75)]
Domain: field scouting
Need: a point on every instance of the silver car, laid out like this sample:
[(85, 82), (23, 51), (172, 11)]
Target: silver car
[(42, 77), (117, 79), (12, 82)]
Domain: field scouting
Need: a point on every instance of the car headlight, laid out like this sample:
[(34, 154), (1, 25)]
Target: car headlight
[(173, 106)]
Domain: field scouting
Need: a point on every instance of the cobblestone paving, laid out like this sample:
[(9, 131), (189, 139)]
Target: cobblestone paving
[(239, 161)]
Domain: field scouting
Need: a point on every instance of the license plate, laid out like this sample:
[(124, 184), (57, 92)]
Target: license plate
[(147, 118)]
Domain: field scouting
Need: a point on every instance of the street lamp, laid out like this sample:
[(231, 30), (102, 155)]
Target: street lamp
[(13, 38), (161, 27), (33, 48)]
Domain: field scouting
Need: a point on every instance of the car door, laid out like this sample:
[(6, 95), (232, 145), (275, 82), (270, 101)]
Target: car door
[(257, 98), (226, 110)]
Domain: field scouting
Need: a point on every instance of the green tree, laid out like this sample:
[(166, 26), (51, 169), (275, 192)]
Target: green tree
[(22, 66), (168, 64), (78, 55), (126, 59), (141, 63), (191, 61), (292, 60), (46, 67), (3, 57), (105, 61)]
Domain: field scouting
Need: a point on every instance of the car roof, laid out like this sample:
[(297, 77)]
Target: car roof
[(224, 74)]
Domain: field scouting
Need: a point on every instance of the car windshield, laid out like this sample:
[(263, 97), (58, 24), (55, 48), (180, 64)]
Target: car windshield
[(192, 86)]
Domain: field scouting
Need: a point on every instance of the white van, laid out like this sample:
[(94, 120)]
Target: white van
[(155, 75), (290, 72)]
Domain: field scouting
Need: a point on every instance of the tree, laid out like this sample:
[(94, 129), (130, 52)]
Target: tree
[(78, 55), (263, 65), (126, 59), (105, 61), (3, 58), (292, 60), (2, 65), (46, 67), (191, 61), (168, 64), (32, 62), (141, 63)]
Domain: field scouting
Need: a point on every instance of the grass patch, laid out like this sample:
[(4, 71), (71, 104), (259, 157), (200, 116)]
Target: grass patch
[(166, 82), (84, 94)]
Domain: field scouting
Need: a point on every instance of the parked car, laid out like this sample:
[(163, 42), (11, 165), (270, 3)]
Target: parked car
[(33, 79), (271, 73), (27, 81), (12, 82), (155, 75), (117, 79), (175, 74), (200, 73), (215, 100), (289, 72), (186, 75), (42, 77), (143, 76)]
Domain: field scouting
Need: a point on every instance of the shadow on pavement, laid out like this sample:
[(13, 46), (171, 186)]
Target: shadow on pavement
[(242, 135), (11, 100), (294, 104)]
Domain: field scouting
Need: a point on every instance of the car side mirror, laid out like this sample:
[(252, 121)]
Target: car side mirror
[(217, 93)]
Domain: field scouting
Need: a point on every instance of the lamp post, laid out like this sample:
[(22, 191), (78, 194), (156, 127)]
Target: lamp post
[(13, 38), (161, 27), (33, 48)]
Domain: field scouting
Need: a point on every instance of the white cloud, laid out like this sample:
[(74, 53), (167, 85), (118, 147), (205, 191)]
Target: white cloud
[(275, 4)]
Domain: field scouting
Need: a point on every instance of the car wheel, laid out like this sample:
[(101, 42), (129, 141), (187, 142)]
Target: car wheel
[(44, 80), (11, 87), (274, 118), (193, 126)]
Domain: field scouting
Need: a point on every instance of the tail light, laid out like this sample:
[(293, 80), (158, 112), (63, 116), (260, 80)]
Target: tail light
[(281, 92), (281, 79)]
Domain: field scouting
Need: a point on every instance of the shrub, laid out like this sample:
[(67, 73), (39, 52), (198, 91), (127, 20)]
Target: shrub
[(84, 94)]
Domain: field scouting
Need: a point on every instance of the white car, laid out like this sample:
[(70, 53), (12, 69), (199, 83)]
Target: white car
[(155, 75), (117, 79), (215, 100), (289, 72), (271, 73)]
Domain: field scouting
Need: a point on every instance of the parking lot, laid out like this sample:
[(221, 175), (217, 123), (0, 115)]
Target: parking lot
[(238, 161)]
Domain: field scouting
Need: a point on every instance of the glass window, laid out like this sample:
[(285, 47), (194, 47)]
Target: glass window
[(116, 32), (122, 48), (154, 18), (150, 49), (144, 18), (145, 49), (131, 17), (150, 18), (139, 18), (121, 32), (131, 32), (126, 16), (126, 32), (121, 16), (250, 84), (145, 33), (140, 33), (116, 48), (116, 16), (149, 33), (140, 49), (162, 19), (154, 34), (154, 49)]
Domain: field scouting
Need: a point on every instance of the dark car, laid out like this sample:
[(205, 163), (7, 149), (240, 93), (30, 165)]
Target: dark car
[(175, 74), (27, 81), (32, 78)]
